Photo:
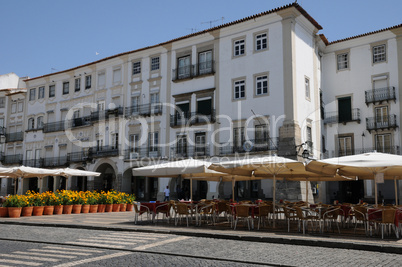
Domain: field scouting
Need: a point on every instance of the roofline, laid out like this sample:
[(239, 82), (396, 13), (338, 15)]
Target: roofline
[(365, 34), (295, 5)]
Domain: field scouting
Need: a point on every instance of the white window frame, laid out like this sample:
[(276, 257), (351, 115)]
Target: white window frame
[(136, 67), (31, 123), (184, 67), (385, 148), (77, 84), (307, 87), (20, 106), (2, 102), (261, 85), (342, 61), (205, 62), (239, 89), (32, 94), (153, 142), (379, 53), (66, 88), (155, 61), (52, 90), (343, 143), (88, 81), (239, 47), (39, 122), (261, 41), (41, 92)]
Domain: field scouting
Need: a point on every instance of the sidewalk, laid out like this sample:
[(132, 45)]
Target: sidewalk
[(124, 221)]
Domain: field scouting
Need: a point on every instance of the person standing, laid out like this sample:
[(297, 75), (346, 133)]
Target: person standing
[(167, 193)]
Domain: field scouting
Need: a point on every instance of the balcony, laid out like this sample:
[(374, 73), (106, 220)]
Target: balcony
[(193, 71), (191, 118), (55, 161), (2, 130), (195, 151), (144, 110), (335, 117), (81, 156), (380, 95), (381, 123), (104, 151), (105, 114), (54, 126), (78, 122), (12, 159), (37, 163), (395, 150), (250, 146), (142, 152), (14, 137)]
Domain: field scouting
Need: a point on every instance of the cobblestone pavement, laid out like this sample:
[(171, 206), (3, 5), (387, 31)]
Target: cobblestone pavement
[(123, 248)]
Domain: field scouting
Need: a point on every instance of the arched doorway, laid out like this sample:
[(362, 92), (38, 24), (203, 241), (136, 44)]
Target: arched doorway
[(107, 180)]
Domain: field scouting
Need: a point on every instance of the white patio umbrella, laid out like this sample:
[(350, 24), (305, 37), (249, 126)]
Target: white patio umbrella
[(375, 166), (67, 172), (188, 169)]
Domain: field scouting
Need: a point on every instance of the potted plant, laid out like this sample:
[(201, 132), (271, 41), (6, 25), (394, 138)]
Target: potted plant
[(129, 201), (14, 206), (49, 202), (27, 207), (66, 200), (37, 202)]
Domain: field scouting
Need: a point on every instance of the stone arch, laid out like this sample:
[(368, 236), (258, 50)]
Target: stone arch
[(108, 178)]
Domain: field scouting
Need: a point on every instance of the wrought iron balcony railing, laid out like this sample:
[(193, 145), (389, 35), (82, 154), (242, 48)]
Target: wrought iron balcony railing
[(191, 118), (142, 152), (144, 110), (14, 137), (252, 145), (192, 71), (54, 126), (55, 161), (78, 156), (379, 95), (105, 114), (78, 122), (193, 151), (12, 159), (2, 130), (382, 122), (104, 151), (37, 163), (335, 117), (395, 150)]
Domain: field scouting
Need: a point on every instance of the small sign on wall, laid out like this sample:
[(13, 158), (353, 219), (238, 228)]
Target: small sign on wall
[(379, 178)]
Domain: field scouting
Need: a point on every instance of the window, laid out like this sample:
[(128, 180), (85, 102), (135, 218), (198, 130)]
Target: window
[(2, 102), (66, 88), (183, 70), (261, 134), (77, 85), (379, 53), (200, 144), (307, 85), (261, 41), (205, 62), (239, 47), (137, 67), (155, 98), (381, 117), (115, 141), (155, 105), (88, 81), (261, 85), (343, 61), (39, 122), (383, 143), (41, 93), (20, 106), (135, 101), (101, 79), (153, 142), (181, 145), (31, 123), (155, 63), (99, 145), (239, 89), (309, 139), (101, 105), (14, 107), (133, 142), (345, 146), (117, 76), (238, 137), (52, 90), (32, 94), (344, 109)]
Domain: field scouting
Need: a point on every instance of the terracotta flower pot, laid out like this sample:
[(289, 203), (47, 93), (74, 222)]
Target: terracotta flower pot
[(67, 209), (101, 207), (123, 207), (14, 212), (38, 210), (116, 208), (77, 208), (93, 208), (48, 210), (108, 207), (27, 211), (58, 209), (129, 207), (3, 211), (85, 208)]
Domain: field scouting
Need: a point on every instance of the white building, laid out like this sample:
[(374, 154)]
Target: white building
[(255, 86)]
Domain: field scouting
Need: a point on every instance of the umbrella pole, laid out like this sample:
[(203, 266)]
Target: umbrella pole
[(274, 200), (15, 186), (233, 186), (375, 193), (306, 191), (396, 191), (191, 189)]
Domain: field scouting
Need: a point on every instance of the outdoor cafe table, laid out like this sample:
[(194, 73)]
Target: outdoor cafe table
[(152, 206), (375, 214)]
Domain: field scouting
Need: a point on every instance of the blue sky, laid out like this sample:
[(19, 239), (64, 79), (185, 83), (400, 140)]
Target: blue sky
[(42, 36)]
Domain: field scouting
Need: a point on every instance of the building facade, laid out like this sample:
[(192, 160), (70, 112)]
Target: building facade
[(256, 86)]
